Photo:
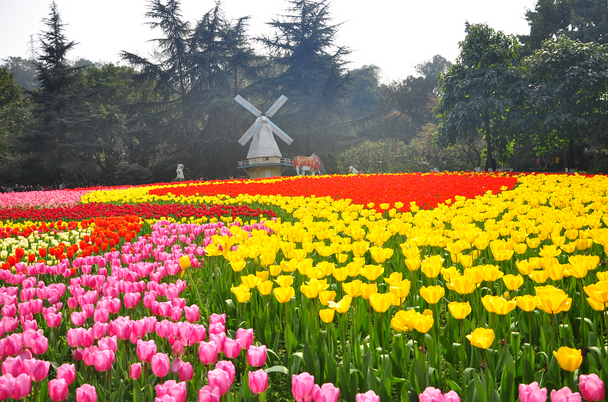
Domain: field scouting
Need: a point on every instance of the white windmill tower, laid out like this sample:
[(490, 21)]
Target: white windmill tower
[(264, 158)]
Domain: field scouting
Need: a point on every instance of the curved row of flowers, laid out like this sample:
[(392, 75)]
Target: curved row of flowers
[(515, 270)]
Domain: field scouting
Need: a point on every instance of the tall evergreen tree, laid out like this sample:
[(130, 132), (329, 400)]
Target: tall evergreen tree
[(191, 121), (65, 134), (314, 77)]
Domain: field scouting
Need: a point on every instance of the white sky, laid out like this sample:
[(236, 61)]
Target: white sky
[(395, 35)]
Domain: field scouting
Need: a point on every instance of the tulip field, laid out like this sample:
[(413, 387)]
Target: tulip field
[(488, 287)]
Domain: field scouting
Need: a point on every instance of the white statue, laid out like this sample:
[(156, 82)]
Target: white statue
[(353, 170), (180, 172)]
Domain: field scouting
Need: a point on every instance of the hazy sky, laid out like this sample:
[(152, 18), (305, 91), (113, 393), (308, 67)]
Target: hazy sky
[(395, 35)]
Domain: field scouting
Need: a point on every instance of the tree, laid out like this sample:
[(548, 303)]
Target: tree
[(192, 121), (313, 77), (64, 135), (24, 71), (479, 93), (12, 110), (568, 83), (583, 20)]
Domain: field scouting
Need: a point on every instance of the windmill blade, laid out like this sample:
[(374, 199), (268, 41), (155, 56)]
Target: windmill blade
[(277, 105), (248, 106), (280, 133), (255, 127)]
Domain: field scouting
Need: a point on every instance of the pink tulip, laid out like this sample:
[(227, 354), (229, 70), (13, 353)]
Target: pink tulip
[(7, 386), (192, 313), (258, 381), (451, 396), (165, 398), (67, 372), (532, 393), (53, 320), (219, 379), (131, 300), (232, 348), (431, 394), (219, 340), (171, 388), (302, 386), (227, 367), (256, 356), (244, 337), (592, 388), (217, 318), (58, 390), (86, 393), (177, 349), (209, 394), (78, 318), (218, 328), (23, 386), (207, 352), (104, 360), (108, 343), (565, 395), (146, 350), (369, 396), (12, 366), (135, 371), (101, 315), (326, 393), (185, 372), (39, 370), (99, 330), (160, 364)]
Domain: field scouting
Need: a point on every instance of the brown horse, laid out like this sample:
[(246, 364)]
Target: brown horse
[(311, 163)]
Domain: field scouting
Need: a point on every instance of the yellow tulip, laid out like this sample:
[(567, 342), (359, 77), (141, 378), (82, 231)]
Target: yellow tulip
[(598, 291), (524, 267), (569, 359), (492, 273), (432, 294), (513, 282), (372, 272), (326, 267), (184, 262), (462, 285), (401, 321), (401, 289), (326, 296), (481, 338), (265, 288), (342, 305), (379, 254), (520, 248), (527, 302), (412, 263), (312, 288), (353, 288), (368, 289), (539, 276), (423, 323), (327, 315), (595, 305), (395, 277), (263, 275), (360, 248), (284, 280), (432, 266), (498, 305), (289, 266), (237, 266), (552, 300), (550, 251), (380, 302), (251, 281), (284, 294), (556, 272), (241, 292), (340, 274), (459, 310)]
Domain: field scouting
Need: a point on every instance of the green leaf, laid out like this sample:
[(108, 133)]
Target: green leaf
[(277, 369)]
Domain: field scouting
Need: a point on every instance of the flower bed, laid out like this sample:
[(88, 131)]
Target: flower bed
[(495, 285)]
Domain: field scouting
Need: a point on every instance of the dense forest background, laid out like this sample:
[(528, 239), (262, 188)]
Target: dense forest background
[(535, 102)]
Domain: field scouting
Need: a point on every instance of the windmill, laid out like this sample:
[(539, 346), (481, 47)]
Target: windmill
[(264, 158)]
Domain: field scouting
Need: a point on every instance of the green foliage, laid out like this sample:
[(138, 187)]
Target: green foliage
[(12, 112), (567, 83), (479, 92), (582, 20)]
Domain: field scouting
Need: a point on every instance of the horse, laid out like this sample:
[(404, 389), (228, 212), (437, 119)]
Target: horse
[(352, 170), (311, 163)]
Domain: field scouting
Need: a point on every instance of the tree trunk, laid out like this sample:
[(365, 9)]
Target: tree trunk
[(489, 164)]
